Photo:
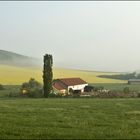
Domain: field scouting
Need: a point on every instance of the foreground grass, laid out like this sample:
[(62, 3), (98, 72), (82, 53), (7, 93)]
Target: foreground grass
[(69, 118), (17, 75)]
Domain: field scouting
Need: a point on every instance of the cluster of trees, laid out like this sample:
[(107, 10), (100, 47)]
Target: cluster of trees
[(127, 76), (32, 88)]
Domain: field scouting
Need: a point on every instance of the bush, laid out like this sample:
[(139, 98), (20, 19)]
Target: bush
[(71, 91), (88, 89), (138, 94), (1, 87), (32, 88), (114, 94), (98, 88), (126, 90), (14, 94), (35, 93), (55, 95)]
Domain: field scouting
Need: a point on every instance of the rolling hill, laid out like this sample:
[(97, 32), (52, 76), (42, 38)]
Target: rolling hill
[(16, 69), (14, 59), (17, 75)]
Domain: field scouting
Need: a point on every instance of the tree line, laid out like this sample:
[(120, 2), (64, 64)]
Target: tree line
[(126, 76)]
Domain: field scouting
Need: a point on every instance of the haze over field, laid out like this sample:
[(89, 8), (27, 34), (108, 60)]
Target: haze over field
[(14, 59), (16, 69), (99, 36), (11, 75)]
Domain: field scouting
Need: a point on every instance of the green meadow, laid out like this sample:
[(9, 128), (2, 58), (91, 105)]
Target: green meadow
[(118, 86), (67, 118)]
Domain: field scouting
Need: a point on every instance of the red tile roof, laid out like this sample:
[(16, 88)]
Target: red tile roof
[(58, 85), (72, 81), (65, 82)]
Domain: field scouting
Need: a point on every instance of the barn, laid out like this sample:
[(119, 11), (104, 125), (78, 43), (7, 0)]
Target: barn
[(134, 81), (65, 85)]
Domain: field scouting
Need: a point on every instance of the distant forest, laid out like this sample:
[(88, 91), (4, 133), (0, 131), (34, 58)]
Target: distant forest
[(127, 76)]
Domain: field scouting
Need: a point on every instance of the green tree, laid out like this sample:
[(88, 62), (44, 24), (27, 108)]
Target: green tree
[(47, 74), (31, 88), (1, 87)]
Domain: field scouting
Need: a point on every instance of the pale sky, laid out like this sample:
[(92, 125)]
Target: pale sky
[(101, 36)]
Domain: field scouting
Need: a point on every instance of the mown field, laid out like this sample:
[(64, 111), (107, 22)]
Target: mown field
[(69, 118), (17, 75)]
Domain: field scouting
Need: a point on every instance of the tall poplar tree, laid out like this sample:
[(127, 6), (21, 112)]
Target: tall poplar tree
[(47, 74)]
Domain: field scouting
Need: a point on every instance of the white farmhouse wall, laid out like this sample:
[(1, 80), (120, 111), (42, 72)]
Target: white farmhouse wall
[(63, 91), (78, 87)]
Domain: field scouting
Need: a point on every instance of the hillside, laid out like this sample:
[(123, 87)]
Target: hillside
[(17, 75), (16, 69), (14, 59)]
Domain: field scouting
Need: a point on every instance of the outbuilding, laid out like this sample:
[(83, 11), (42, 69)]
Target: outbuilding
[(66, 85), (134, 81)]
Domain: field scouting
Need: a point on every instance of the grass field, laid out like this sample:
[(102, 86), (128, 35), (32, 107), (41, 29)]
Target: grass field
[(117, 86), (111, 86), (69, 118), (8, 89), (18, 75)]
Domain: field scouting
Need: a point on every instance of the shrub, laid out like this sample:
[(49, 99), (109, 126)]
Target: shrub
[(1, 87), (14, 94), (126, 90), (88, 89), (71, 91), (35, 93), (138, 94), (55, 95), (113, 94), (32, 88), (98, 88)]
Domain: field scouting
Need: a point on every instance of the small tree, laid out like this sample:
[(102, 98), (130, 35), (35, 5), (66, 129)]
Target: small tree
[(47, 74), (32, 88), (1, 87)]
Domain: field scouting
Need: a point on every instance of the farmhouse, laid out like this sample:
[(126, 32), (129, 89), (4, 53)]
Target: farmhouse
[(134, 81), (66, 85)]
